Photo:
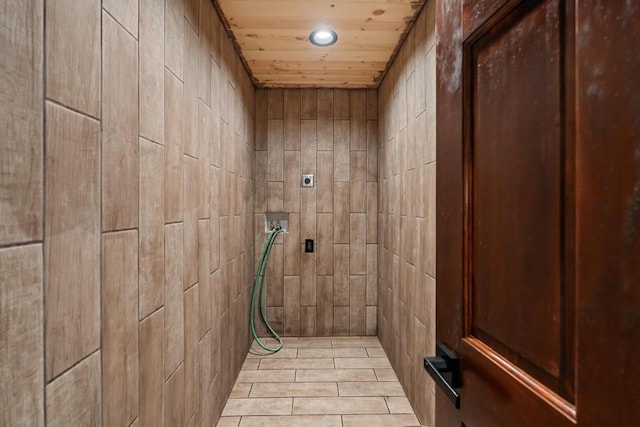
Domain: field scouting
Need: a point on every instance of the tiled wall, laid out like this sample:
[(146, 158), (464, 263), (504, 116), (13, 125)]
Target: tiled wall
[(331, 134), (126, 231), (407, 220)]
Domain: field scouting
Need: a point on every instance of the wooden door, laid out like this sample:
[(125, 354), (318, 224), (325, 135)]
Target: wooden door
[(538, 201)]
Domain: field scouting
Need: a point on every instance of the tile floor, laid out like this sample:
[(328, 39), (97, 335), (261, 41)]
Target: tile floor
[(320, 382)]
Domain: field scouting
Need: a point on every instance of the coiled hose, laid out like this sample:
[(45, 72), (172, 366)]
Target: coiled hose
[(259, 283)]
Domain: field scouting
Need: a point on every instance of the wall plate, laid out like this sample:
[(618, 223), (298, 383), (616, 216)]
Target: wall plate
[(307, 181)]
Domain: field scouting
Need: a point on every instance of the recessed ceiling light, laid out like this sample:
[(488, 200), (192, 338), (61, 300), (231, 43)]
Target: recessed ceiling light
[(323, 37)]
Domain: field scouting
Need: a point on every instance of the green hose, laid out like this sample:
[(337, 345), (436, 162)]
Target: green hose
[(259, 283)]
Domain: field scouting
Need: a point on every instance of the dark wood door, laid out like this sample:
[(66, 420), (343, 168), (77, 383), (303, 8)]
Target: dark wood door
[(538, 200)]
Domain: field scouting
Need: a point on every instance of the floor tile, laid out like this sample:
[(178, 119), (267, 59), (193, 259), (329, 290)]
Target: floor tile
[(228, 422), (332, 352), (296, 389), (359, 362), (339, 405), (264, 406), (350, 342), (300, 363), (380, 420), (285, 353), (266, 376), (293, 420), (399, 405), (323, 375), (375, 388), (243, 389), (250, 364), (376, 352), (386, 374)]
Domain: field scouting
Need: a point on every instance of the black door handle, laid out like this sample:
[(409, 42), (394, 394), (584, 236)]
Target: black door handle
[(445, 362)]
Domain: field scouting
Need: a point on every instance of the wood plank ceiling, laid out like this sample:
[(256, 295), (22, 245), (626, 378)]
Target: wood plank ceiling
[(273, 38)]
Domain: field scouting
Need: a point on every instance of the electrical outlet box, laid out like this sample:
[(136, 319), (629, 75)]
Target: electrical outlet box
[(308, 245), (307, 181)]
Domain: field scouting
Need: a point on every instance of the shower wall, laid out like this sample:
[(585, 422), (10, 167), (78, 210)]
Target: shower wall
[(126, 152), (407, 221), (332, 134)]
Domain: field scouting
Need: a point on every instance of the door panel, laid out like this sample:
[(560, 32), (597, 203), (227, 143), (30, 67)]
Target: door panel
[(516, 179)]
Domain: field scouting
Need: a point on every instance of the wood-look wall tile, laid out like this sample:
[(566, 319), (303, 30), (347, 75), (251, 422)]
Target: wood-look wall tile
[(260, 181), (204, 137), (72, 238), (73, 54), (215, 219), (125, 13), (324, 322), (340, 275), (430, 107), (191, 193), (204, 273), (358, 176), (173, 297), (372, 150), (372, 274), (372, 320), (372, 104), (276, 319), (261, 119), (325, 119), (205, 409), (341, 104), (152, 370), (151, 78), (22, 320), (307, 278), (174, 399), (372, 212), (308, 147), (324, 181), (324, 258), (205, 39), (357, 243), (173, 197), (358, 119), (309, 106), (308, 213), (74, 398), (357, 305), (275, 143), (191, 354), (341, 150), (216, 121), (275, 196), (292, 305), (21, 35), (174, 36), (275, 104), (430, 251), (308, 321), (119, 127), (291, 181), (120, 368), (341, 212), (191, 13), (292, 119), (292, 246), (151, 231), (275, 276), (340, 320), (190, 95)]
